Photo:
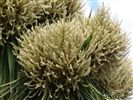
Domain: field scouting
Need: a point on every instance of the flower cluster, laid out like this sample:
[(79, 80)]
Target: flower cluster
[(108, 50), (60, 56), (67, 58), (60, 9), (18, 15), (51, 57)]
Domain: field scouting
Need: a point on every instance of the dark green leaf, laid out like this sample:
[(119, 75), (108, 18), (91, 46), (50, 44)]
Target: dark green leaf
[(86, 42)]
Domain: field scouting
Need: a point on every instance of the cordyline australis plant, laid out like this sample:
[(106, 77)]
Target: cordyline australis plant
[(70, 59)]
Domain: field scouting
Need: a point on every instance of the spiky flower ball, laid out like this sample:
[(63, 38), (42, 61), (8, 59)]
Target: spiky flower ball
[(17, 15), (52, 59), (108, 50), (60, 9)]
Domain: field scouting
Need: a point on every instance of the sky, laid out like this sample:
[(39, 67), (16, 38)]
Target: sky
[(120, 10)]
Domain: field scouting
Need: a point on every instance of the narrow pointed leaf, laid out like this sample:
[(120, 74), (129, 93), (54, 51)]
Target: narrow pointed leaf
[(86, 42)]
